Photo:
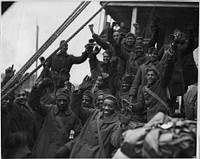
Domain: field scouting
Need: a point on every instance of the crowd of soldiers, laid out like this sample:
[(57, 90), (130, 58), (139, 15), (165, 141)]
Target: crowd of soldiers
[(134, 82)]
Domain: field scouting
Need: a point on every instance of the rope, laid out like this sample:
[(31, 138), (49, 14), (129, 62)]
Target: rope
[(52, 38), (30, 74)]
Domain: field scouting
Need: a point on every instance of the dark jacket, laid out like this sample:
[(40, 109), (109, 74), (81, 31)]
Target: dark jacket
[(64, 61), (132, 60), (52, 136), (97, 67), (18, 130), (177, 85), (121, 65), (147, 105), (190, 70), (140, 78), (87, 145)]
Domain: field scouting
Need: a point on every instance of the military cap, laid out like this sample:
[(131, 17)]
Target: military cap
[(62, 92), (130, 34), (128, 78), (88, 94)]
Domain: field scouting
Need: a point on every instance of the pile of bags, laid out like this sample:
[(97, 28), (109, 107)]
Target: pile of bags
[(163, 136)]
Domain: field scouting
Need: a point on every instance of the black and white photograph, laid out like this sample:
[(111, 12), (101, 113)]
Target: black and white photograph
[(100, 79)]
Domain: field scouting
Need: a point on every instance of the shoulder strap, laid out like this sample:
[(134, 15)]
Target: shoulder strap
[(100, 138), (156, 96)]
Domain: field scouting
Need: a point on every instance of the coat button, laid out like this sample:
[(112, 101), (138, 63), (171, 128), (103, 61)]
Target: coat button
[(146, 101), (90, 146), (85, 141), (88, 132)]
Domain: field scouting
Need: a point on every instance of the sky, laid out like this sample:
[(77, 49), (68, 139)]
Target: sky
[(18, 38)]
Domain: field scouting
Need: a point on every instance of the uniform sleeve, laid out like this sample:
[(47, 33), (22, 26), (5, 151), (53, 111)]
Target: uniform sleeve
[(94, 65), (136, 83), (116, 135), (48, 63), (101, 42), (79, 59), (161, 53), (167, 74), (154, 37), (76, 107), (119, 52), (34, 102), (139, 107), (77, 127)]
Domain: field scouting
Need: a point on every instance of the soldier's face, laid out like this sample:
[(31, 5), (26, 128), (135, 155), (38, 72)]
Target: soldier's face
[(139, 50), (139, 40), (108, 107), (21, 97), (99, 102), (130, 41), (125, 86), (86, 101), (177, 36), (153, 56), (99, 81), (64, 48), (116, 36), (62, 103), (6, 102), (151, 77), (106, 58)]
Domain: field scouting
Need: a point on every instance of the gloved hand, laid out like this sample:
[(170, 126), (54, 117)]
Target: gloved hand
[(86, 84), (62, 152), (9, 72)]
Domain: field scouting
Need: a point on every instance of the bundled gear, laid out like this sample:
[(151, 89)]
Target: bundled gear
[(162, 136)]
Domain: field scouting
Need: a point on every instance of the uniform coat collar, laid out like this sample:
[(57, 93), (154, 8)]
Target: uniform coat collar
[(111, 119), (67, 112)]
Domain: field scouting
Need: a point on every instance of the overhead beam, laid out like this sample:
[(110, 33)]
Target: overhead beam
[(153, 4)]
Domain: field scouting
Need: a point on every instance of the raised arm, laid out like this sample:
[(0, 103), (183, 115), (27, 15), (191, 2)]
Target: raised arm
[(154, 37), (76, 106), (104, 44), (94, 63), (79, 59), (189, 46), (119, 52), (35, 95), (168, 69), (9, 73)]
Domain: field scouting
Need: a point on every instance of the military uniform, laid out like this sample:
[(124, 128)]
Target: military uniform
[(140, 78), (147, 105), (52, 135), (64, 61), (87, 144)]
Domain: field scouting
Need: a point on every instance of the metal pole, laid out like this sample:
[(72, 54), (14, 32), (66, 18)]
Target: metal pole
[(30, 74), (37, 36), (51, 39)]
